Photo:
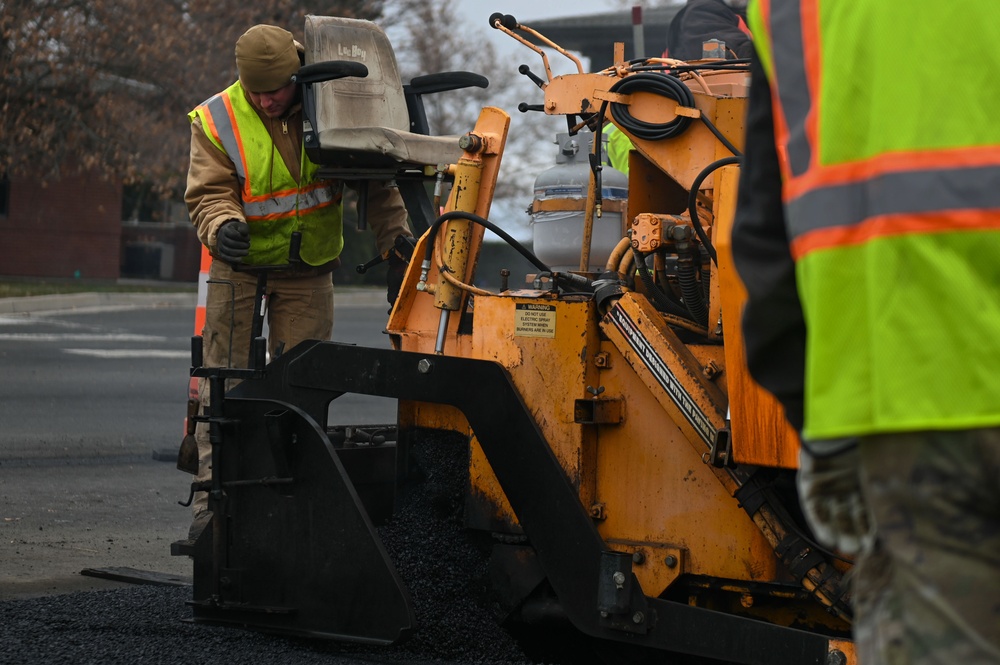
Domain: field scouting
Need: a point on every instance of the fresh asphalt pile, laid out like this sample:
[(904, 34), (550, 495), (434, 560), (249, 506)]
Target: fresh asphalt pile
[(443, 569)]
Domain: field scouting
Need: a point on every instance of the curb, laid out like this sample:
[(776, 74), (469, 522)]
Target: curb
[(65, 301), (70, 301)]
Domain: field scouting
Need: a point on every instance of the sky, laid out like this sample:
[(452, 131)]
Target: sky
[(478, 12), (526, 10)]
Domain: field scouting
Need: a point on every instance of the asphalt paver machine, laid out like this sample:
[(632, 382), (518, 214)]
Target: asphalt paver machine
[(636, 483)]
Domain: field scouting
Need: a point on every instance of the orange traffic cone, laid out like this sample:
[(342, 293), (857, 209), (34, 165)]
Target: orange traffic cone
[(187, 458)]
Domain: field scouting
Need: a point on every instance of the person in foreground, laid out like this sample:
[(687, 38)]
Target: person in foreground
[(250, 185), (867, 234)]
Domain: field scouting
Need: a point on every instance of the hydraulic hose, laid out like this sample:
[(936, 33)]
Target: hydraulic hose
[(693, 202), (571, 279), (618, 254), (673, 88), (667, 86), (719, 135), (662, 301), (691, 291), (472, 217), (657, 72)]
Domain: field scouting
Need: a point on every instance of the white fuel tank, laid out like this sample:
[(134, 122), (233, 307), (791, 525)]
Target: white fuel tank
[(558, 208)]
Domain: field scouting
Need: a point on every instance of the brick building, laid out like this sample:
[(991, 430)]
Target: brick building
[(69, 228), (73, 228)]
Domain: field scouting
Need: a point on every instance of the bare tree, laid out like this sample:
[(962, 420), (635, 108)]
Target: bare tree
[(429, 38), (105, 85)]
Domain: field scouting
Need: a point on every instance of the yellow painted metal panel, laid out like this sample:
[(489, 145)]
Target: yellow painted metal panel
[(657, 490), (761, 435)]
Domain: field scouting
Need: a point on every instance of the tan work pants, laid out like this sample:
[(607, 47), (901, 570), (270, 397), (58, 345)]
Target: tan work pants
[(298, 309)]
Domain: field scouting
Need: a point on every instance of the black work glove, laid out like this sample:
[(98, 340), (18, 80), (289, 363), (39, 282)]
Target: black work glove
[(394, 277), (233, 242), (399, 259)]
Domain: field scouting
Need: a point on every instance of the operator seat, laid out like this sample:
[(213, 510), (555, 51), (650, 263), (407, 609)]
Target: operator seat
[(374, 127), (364, 123)]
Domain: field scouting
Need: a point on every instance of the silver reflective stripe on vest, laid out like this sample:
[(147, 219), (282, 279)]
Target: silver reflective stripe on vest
[(910, 192), (788, 58), (224, 126), (288, 203)]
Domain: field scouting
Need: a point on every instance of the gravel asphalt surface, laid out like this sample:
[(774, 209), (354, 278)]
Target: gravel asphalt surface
[(50, 613), (136, 623)]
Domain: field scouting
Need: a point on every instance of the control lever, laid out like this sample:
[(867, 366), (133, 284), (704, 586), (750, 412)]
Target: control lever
[(524, 108), (524, 69), (506, 20), (402, 246)]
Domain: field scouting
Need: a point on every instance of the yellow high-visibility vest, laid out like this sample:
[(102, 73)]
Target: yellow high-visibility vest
[(890, 158), (274, 204)]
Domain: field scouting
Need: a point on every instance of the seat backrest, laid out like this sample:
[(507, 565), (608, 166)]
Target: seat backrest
[(374, 101)]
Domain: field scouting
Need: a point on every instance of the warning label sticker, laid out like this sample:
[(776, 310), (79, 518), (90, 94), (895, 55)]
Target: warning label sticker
[(534, 320)]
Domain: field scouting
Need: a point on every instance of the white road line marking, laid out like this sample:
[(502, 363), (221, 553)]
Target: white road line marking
[(129, 353), (80, 337)]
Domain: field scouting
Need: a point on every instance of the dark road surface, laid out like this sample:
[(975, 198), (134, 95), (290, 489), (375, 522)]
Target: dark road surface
[(92, 407), (91, 398)]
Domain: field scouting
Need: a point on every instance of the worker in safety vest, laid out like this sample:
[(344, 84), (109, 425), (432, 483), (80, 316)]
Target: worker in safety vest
[(700, 21), (618, 147), (250, 185), (867, 234)]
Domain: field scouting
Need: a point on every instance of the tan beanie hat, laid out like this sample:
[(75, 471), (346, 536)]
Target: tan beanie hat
[(266, 58)]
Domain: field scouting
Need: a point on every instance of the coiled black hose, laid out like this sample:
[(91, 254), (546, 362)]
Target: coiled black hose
[(667, 86)]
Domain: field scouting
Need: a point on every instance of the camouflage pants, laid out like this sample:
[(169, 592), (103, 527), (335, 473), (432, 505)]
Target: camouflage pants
[(929, 591), (298, 308)]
